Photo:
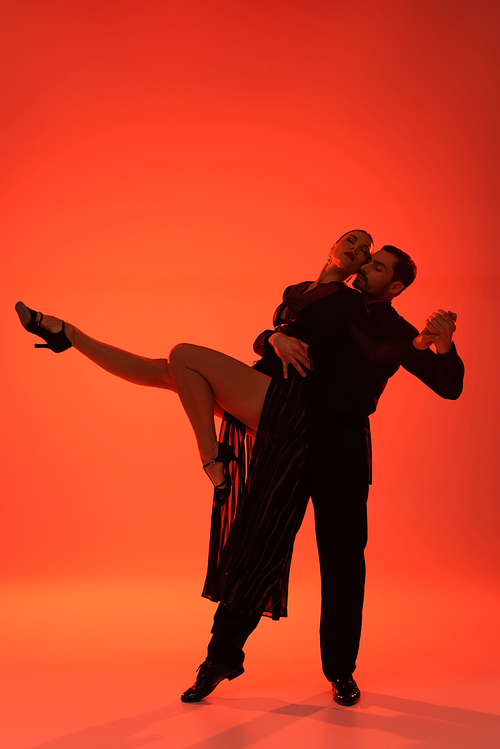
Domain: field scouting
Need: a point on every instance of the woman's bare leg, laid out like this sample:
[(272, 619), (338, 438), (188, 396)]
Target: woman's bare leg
[(206, 381), (137, 369), (203, 377)]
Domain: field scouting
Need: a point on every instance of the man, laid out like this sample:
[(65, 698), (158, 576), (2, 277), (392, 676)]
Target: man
[(339, 472)]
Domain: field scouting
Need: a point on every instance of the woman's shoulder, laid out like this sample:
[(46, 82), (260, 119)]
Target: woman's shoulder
[(345, 295), (296, 288), (346, 302), (353, 293), (355, 297)]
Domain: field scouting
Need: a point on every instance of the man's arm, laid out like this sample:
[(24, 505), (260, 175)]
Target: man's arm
[(443, 372), (261, 343), (290, 350)]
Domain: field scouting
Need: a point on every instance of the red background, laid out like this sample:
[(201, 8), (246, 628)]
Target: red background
[(166, 171)]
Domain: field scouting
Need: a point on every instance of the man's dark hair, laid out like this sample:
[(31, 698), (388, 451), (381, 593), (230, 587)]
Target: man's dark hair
[(404, 269)]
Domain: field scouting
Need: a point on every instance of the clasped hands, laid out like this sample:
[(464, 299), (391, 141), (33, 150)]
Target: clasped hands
[(438, 331)]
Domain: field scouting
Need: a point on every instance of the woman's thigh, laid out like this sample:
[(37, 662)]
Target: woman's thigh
[(236, 387)]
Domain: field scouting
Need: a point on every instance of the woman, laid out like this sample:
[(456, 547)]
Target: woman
[(206, 381)]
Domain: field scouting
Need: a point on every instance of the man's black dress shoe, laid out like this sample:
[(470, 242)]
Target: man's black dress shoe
[(209, 675), (345, 691)]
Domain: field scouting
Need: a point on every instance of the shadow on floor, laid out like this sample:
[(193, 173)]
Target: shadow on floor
[(428, 725)]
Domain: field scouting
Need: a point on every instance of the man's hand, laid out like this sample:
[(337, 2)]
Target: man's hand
[(291, 351), (443, 324), (439, 329)]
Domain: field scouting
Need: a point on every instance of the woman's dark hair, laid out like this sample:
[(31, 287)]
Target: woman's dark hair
[(404, 269), (350, 232)]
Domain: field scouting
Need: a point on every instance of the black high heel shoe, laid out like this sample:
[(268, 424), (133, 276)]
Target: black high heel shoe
[(56, 342), (225, 455)]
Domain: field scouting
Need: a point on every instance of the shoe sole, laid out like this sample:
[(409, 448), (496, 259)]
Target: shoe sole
[(240, 671), (351, 703)]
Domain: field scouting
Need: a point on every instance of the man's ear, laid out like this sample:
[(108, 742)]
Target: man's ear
[(396, 287)]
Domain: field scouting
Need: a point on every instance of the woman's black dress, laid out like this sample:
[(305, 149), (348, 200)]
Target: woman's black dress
[(252, 535)]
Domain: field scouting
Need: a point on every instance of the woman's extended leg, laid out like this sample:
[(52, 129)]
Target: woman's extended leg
[(205, 380), (137, 369)]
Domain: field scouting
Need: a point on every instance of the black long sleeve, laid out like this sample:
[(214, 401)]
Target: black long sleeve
[(442, 373), (261, 343)]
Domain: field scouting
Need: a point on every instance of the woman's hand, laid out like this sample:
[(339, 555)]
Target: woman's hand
[(424, 340), (291, 351)]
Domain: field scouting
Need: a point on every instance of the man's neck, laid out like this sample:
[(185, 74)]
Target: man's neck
[(369, 299)]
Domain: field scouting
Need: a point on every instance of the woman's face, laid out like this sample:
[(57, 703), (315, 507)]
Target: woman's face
[(351, 251)]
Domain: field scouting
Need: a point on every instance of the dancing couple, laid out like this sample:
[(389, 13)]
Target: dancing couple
[(295, 426)]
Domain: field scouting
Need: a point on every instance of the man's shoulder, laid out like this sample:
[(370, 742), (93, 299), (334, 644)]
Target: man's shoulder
[(389, 320), (400, 320)]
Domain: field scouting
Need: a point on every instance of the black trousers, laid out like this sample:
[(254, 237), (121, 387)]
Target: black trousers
[(341, 534)]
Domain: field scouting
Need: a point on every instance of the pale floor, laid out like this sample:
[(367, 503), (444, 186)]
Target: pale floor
[(100, 665)]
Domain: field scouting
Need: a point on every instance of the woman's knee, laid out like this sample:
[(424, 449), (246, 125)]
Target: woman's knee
[(179, 355)]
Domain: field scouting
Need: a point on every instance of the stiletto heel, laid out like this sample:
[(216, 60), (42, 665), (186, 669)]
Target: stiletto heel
[(225, 455), (56, 342)]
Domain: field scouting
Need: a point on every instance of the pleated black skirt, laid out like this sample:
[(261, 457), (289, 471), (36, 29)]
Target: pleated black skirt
[(252, 535)]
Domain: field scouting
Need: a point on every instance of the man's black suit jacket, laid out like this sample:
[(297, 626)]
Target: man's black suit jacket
[(340, 441)]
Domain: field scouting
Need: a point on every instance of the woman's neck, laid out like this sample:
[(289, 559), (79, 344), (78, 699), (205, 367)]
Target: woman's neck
[(333, 273)]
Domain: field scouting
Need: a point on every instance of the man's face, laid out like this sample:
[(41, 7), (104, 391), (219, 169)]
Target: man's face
[(375, 277)]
